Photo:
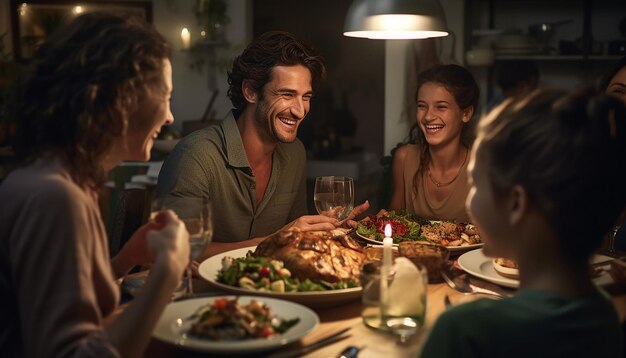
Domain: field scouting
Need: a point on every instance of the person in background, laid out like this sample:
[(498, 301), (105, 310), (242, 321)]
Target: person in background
[(429, 174), (252, 166), (614, 84), (98, 93), (614, 81), (528, 186), (514, 78)]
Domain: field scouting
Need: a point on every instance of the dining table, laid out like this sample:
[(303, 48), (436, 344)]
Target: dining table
[(371, 342)]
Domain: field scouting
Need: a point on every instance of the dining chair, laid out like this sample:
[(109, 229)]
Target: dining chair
[(131, 211)]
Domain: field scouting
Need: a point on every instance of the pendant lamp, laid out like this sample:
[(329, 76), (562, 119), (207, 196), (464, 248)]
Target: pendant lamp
[(395, 19)]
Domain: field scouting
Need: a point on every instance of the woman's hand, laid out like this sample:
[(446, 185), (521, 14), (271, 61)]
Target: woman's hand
[(135, 251), (169, 241)]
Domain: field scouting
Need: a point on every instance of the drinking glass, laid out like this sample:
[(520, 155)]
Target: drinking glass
[(334, 196), (196, 213), (611, 242), (405, 310)]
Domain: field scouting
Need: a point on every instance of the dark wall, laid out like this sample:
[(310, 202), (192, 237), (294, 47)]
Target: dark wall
[(355, 70)]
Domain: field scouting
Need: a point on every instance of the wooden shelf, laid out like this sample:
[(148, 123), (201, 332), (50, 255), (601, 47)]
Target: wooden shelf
[(557, 57)]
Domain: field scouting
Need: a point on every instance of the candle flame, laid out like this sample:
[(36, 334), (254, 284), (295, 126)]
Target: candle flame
[(388, 230), (185, 36)]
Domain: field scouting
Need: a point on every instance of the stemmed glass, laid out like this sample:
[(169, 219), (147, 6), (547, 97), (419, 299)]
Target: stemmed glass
[(334, 196), (405, 312), (196, 213), (611, 240)]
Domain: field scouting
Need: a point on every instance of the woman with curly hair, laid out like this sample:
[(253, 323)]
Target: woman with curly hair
[(98, 94), (429, 177)]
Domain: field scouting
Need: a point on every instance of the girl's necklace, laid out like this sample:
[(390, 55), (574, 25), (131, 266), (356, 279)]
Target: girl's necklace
[(439, 184)]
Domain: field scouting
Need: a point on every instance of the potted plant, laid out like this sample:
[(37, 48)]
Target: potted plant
[(212, 18)]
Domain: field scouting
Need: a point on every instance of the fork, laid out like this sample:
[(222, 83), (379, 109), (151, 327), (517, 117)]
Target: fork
[(467, 288)]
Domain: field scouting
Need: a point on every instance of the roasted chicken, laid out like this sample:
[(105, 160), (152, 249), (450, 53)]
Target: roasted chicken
[(316, 255)]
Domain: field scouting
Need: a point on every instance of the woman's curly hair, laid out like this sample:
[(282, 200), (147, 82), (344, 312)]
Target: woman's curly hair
[(81, 87), (271, 49)]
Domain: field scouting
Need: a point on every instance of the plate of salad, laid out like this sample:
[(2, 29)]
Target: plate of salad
[(456, 237), (237, 271), (215, 324)]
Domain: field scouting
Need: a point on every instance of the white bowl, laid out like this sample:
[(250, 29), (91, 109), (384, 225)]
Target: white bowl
[(479, 57)]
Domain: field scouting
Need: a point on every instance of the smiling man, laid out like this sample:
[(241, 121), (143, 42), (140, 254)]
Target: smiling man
[(252, 166)]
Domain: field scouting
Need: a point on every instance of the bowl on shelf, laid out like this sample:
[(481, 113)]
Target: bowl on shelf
[(479, 57)]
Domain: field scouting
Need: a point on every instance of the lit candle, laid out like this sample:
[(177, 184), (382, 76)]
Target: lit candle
[(186, 37), (384, 269), (387, 243)]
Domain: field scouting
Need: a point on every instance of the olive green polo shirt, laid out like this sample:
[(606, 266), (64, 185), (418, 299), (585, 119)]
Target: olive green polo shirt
[(212, 162)]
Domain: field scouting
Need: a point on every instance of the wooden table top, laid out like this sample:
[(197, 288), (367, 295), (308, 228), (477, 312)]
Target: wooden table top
[(332, 319)]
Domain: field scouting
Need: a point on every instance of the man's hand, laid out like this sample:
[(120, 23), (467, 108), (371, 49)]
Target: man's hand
[(313, 223), (358, 210)]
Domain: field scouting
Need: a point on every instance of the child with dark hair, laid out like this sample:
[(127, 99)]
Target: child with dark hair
[(539, 200), (429, 173)]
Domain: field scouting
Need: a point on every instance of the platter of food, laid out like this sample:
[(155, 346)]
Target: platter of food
[(212, 270), (477, 264), (212, 324), (456, 237)]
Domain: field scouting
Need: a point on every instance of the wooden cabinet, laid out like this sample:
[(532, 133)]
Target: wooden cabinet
[(577, 52)]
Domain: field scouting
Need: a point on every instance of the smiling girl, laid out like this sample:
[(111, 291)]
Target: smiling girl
[(429, 175)]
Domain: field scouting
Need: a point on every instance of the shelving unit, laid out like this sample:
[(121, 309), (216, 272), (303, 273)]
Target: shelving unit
[(592, 22)]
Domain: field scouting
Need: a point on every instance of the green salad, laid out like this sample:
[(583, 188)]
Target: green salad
[(403, 227), (269, 275)]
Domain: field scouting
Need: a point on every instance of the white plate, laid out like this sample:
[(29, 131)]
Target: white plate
[(452, 249), (476, 263), (209, 268), (169, 330)]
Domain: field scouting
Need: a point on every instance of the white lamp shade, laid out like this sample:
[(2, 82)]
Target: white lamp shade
[(395, 19)]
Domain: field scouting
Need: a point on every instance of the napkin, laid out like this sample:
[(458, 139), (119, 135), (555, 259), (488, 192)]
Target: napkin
[(407, 291)]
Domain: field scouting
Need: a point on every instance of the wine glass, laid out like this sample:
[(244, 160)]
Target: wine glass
[(196, 213), (404, 312), (611, 240), (334, 196)]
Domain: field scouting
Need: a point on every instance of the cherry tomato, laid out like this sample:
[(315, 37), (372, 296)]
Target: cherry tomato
[(220, 304), (264, 271), (266, 331)]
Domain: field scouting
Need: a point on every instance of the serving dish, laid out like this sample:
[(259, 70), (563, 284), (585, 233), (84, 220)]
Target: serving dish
[(451, 249), (209, 268)]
